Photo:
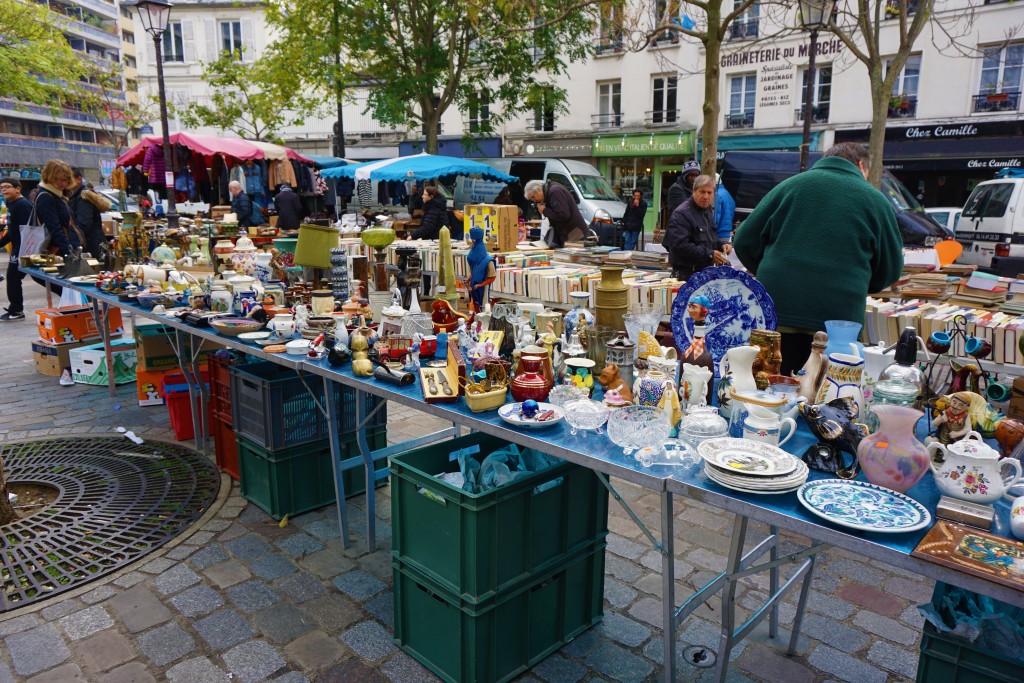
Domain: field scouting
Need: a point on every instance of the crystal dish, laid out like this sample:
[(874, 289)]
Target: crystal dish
[(586, 415), (635, 427)]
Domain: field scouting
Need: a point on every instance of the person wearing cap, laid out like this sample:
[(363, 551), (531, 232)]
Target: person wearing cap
[(691, 238), (682, 188), (289, 208), (725, 209), (481, 268)]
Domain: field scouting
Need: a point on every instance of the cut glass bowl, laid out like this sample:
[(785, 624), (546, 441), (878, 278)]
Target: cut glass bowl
[(586, 414), (635, 427)]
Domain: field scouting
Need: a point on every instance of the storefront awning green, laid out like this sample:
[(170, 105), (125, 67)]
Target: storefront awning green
[(779, 142)]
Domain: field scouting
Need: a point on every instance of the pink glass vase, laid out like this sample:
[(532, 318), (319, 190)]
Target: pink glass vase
[(893, 457)]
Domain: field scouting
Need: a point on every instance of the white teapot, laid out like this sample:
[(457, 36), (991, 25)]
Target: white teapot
[(971, 470)]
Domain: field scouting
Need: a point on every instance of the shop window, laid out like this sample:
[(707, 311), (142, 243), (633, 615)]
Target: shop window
[(822, 94), (745, 25), (609, 105), (742, 96), (231, 38), (174, 43), (1000, 85), (665, 103), (479, 110)]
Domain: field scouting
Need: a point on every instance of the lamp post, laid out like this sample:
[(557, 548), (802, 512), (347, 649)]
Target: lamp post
[(814, 16), (155, 15)]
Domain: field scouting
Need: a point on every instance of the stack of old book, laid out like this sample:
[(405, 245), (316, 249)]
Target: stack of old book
[(928, 285), (981, 289)]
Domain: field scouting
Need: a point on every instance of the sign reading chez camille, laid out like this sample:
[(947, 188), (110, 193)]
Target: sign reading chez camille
[(644, 144), (941, 131)]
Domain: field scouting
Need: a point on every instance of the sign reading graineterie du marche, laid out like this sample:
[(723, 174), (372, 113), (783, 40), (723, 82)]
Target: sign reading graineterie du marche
[(777, 54)]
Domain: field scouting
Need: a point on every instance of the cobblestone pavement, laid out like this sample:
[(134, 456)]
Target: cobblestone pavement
[(243, 599)]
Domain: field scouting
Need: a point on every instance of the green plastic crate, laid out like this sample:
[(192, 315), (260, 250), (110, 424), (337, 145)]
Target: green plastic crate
[(500, 638), (948, 659), (475, 546), (299, 479)]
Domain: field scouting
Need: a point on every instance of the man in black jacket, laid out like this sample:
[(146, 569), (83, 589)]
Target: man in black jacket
[(556, 203), (241, 205), (692, 238), (633, 220), (289, 208), (86, 215), (682, 188), (19, 213)]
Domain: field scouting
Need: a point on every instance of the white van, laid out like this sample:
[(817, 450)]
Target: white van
[(992, 226), (592, 192)]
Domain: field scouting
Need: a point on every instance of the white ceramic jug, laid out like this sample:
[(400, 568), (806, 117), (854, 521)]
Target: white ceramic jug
[(740, 376), (283, 325), (971, 470)]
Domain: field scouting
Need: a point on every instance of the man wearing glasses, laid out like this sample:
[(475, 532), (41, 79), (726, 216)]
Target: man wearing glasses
[(19, 213)]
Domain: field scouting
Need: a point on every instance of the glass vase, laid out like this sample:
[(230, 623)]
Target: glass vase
[(841, 335), (893, 457)]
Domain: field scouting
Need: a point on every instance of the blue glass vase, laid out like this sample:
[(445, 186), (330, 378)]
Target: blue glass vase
[(842, 333)]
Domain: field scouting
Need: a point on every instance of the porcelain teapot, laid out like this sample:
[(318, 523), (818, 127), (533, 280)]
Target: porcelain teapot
[(971, 470)]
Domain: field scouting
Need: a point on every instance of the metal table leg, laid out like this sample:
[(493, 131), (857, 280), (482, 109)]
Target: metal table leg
[(331, 408), (668, 586), (180, 346), (100, 315)]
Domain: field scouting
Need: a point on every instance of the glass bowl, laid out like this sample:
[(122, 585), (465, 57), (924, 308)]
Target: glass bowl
[(563, 394), (635, 427), (701, 424), (586, 415)]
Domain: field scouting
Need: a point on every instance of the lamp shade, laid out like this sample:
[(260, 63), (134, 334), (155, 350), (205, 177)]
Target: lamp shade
[(154, 14), (815, 14)]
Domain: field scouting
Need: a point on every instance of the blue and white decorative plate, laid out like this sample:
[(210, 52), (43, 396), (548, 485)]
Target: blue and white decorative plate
[(863, 506), (739, 304)]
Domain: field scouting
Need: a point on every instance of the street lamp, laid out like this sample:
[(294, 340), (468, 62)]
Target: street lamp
[(155, 15), (814, 16)]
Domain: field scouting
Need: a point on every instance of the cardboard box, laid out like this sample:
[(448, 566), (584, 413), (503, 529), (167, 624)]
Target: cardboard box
[(52, 359), (108, 228), (89, 363), (74, 324), (1016, 408), (500, 223), (153, 347), (218, 212)]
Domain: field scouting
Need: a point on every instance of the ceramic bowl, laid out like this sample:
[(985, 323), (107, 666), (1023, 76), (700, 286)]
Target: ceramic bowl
[(152, 299), (257, 336), (636, 427), (232, 327), (297, 347), (586, 415)]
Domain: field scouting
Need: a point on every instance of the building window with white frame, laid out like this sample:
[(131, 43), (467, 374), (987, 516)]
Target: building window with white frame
[(665, 103), (609, 105), (231, 38), (1000, 84), (745, 26), (903, 100), (543, 111), (822, 94), (173, 43), (742, 96), (479, 110)]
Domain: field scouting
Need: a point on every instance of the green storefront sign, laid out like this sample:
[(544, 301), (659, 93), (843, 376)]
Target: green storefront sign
[(644, 144)]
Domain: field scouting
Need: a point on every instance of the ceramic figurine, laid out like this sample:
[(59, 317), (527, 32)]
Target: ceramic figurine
[(659, 390), (833, 423), (812, 374), (444, 316), (481, 268), (954, 422), (611, 379), (769, 360), (579, 313), (697, 353), (362, 366)]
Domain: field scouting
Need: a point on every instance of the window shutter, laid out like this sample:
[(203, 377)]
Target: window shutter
[(212, 40), (188, 39), (248, 45)]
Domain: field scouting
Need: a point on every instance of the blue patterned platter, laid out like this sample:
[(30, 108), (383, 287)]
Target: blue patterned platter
[(739, 304), (863, 506)]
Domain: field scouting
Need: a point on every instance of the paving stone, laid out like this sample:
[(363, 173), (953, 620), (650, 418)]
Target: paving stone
[(624, 630), (871, 598), (197, 601), (404, 669), (558, 669), (900, 661), (37, 649), (769, 665), (223, 629), (157, 566), (648, 610), (886, 627), (227, 573), (22, 623), (333, 613), (652, 561), (133, 672), (98, 595), (611, 660), (835, 634), (702, 632), (912, 616), (216, 525), (829, 606), (825, 582), (181, 552), (299, 545), (165, 644), (707, 559), (369, 640), (252, 596), (351, 670), (61, 609), (327, 563), (378, 564), (753, 600), (232, 532), (383, 607), (844, 667), (618, 594), (359, 585), (175, 579), (649, 583), (196, 670), (291, 677), (282, 623), (326, 529), (272, 566), (915, 591), (254, 515), (861, 572), (65, 673), (209, 556), (301, 586), (103, 651), (314, 651), (623, 547), (253, 661), (622, 569), (249, 547), (130, 579), (86, 622)]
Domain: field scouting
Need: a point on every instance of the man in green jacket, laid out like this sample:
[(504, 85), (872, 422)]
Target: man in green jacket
[(819, 242)]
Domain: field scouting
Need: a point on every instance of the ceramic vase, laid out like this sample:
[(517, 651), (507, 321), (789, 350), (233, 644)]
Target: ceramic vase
[(842, 338), (611, 298), (546, 365), (530, 382), (323, 302), (244, 262), (579, 373), (261, 269), (893, 457), (695, 387), (739, 376), (843, 378), (339, 273), (769, 360), (578, 314), (659, 390), (221, 300), (283, 325)]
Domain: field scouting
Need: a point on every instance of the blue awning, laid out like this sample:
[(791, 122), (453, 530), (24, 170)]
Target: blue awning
[(327, 162)]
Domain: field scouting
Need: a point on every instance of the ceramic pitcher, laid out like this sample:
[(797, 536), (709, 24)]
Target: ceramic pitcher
[(971, 470), (843, 378), (695, 388), (283, 325), (739, 376)]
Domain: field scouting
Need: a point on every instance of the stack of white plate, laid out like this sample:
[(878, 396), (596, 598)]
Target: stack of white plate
[(751, 466)]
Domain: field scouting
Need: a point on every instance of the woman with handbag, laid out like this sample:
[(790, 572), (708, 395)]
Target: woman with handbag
[(52, 209)]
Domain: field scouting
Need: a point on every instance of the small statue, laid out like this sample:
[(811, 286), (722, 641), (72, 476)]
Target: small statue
[(444, 316), (481, 268), (954, 422), (611, 380), (833, 423)]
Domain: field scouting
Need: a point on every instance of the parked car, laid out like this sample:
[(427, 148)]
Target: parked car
[(946, 216), (132, 204), (749, 176), (991, 227)]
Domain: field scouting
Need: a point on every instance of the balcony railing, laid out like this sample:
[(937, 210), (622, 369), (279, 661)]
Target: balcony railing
[(99, 6), (905, 108), (608, 42), (661, 117), (602, 121), (819, 114), (83, 29), (996, 102), (740, 120), (742, 30)]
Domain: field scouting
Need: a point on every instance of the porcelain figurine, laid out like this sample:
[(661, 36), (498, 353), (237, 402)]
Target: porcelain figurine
[(739, 376), (578, 314), (954, 422), (658, 390), (695, 387), (812, 375), (481, 268), (833, 423), (769, 359), (611, 379), (362, 366), (697, 354), (971, 470)]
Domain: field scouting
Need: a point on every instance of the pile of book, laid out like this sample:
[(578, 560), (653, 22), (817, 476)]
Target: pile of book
[(928, 285), (981, 289)]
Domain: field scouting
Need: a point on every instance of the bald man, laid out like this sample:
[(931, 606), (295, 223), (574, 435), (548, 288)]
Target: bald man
[(241, 205)]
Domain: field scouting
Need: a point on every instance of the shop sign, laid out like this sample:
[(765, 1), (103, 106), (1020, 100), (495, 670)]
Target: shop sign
[(994, 163), (644, 144), (768, 55), (943, 131), (557, 147)]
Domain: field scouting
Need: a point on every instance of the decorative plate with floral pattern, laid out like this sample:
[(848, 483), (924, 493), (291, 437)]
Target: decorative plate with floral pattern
[(863, 506)]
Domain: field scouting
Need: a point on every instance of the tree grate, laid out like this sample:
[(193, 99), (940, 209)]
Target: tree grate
[(117, 502)]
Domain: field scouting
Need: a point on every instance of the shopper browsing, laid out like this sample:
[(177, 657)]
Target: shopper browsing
[(19, 213)]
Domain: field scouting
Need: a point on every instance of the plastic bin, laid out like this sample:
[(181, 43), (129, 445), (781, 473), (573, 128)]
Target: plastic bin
[(225, 447), (220, 384), (475, 546), (948, 659), (179, 404), (299, 479), (346, 396), (501, 638)]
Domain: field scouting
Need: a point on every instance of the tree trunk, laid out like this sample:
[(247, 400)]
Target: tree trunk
[(7, 513), (879, 117), (711, 108), (430, 121)]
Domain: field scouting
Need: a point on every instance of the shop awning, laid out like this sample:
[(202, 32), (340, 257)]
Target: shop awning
[(985, 154), (417, 167), (327, 162), (778, 142), (209, 145)]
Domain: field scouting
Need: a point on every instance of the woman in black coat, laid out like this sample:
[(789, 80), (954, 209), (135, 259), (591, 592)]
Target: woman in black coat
[(52, 209), (435, 215)]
